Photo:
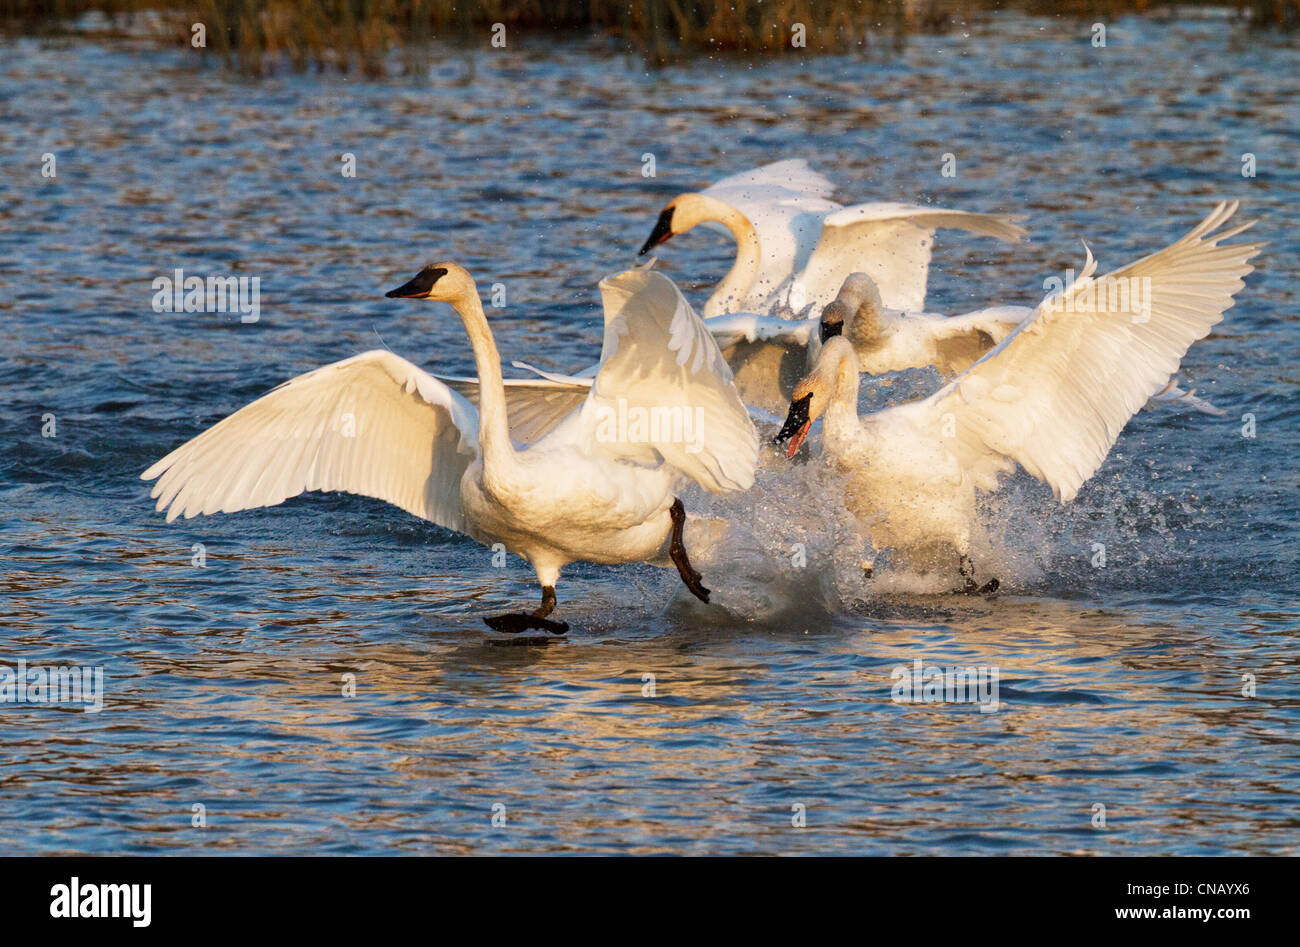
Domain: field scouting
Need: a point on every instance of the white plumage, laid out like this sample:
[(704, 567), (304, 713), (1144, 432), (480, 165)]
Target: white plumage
[(795, 246), (583, 489), (373, 425), (1051, 397)]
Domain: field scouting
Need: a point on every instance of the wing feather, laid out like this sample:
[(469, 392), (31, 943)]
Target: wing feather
[(1054, 394), (960, 341), (889, 242), (786, 202), (659, 360), (373, 425), (534, 406), (767, 355)]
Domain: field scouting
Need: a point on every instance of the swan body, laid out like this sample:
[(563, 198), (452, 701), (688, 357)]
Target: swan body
[(378, 426), (795, 246), (1051, 398)]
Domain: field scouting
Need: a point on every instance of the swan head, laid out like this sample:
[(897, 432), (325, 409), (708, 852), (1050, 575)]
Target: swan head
[(682, 213), (858, 304), (870, 307), (813, 395), (444, 282), (834, 316)]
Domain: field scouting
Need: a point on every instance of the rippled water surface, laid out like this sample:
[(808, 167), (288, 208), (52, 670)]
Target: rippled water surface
[(1121, 686)]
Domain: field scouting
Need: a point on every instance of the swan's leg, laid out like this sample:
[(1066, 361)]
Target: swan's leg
[(677, 552), (967, 570), (515, 622), (548, 602)]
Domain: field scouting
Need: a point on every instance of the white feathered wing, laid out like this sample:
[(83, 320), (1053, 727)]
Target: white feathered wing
[(1054, 395)]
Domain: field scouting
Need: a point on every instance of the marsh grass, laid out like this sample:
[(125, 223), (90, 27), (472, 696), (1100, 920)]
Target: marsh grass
[(362, 35), (359, 34)]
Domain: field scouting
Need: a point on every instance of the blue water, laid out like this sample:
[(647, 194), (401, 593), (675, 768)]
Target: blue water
[(1121, 686)]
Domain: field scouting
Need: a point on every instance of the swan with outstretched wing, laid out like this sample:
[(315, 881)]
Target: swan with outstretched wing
[(1051, 397), (795, 246), (596, 481)]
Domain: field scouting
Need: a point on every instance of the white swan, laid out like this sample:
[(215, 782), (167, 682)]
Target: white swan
[(597, 486), (1052, 397), (795, 246)]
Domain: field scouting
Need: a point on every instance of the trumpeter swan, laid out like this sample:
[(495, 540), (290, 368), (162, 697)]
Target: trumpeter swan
[(795, 246), (1052, 397), (598, 485)]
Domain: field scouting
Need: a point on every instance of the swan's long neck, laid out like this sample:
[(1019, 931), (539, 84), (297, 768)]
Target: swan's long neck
[(493, 425), (842, 409), (867, 327), (730, 293)]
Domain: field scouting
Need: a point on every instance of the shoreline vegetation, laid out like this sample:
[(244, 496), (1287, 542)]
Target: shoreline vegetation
[(362, 36)]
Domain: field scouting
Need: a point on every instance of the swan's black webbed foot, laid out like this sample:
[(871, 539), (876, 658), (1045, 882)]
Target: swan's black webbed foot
[(967, 570), (516, 622), (677, 552)]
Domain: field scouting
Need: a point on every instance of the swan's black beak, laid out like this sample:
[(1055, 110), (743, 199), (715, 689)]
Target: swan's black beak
[(418, 286), (663, 230), (796, 425), (831, 329)]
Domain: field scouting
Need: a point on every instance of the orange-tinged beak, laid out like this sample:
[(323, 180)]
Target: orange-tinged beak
[(797, 441), (662, 231), (796, 426)]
